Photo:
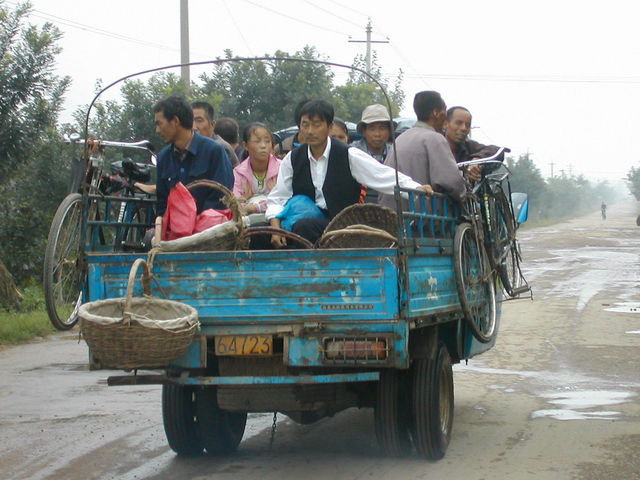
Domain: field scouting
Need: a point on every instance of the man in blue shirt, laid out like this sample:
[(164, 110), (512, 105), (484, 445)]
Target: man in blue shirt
[(188, 157)]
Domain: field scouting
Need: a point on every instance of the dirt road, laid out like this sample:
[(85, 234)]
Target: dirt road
[(558, 398)]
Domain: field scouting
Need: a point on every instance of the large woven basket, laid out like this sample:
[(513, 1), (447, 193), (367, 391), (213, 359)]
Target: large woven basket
[(362, 225), (143, 332), (225, 236)]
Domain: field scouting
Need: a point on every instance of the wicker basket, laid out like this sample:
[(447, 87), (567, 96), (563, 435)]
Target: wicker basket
[(225, 236), (363, 225), (130, 333)]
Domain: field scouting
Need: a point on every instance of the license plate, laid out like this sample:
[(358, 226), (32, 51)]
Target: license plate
[(256, 345)]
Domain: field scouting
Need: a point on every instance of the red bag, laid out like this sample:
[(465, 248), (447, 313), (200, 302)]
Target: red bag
[(210, 218), (180, 217)]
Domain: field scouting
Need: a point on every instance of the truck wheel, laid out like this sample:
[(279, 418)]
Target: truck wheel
[(179, 417), (221, 430), (391, 413), (432, 404)]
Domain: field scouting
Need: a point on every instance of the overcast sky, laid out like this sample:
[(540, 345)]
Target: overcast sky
[(559, 79)]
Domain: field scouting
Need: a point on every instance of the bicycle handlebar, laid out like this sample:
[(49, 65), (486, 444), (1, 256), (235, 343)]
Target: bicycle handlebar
[(486, 160), (141, 145)]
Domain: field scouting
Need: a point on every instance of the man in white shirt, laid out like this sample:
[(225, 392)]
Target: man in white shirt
[(329, 172)]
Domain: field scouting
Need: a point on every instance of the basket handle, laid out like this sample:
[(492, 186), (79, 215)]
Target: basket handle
[(303, 242), (146, 283), (228, 198)]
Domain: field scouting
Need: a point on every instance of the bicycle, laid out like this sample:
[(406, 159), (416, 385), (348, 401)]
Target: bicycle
[(129, 212), (486, 248)]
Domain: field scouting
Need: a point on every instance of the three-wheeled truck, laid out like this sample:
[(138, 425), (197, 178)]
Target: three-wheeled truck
[(309, 332)]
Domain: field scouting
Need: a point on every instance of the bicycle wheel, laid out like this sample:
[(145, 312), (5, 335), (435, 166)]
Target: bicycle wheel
[(62, 278), (504, 247), (510, 275), (129, 238), (474, 282)]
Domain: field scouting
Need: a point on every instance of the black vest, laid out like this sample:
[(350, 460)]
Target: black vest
[(340, 190)]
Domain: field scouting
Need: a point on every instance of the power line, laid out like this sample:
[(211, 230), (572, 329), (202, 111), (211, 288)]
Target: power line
[(405, 60), (71, 23), (296, 19), (332, 13), (224, 2), (349, 8), (527, 78)]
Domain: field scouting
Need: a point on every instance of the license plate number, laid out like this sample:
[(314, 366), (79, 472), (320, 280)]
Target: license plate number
[(244, 345)]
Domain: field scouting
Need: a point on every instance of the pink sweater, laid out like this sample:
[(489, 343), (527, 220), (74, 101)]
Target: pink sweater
[(243, 175)]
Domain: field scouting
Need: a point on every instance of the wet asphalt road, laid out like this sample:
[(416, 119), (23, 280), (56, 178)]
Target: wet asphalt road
[(557, 398)]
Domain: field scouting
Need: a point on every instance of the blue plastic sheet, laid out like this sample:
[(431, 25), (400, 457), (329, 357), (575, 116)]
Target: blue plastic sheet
[(297, 208)]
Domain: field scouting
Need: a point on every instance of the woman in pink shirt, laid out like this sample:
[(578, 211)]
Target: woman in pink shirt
[(258, 173)]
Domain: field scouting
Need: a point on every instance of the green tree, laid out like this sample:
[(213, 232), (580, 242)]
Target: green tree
[(131, 117), (267, 91), (30, 100), (360, 91), (526, 178), (31, 95), (633, 182)]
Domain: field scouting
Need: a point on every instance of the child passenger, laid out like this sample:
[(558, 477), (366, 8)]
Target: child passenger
[(339, 130), (258, 173)]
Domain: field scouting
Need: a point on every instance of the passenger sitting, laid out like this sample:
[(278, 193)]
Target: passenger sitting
[(256, 176), (188, 156), (327, 171), (339, 130)]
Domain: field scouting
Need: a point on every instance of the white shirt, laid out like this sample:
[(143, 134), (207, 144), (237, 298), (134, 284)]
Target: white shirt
[(364, 168)]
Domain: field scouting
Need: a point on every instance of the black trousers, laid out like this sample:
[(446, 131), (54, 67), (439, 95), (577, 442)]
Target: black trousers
[(310, 228)]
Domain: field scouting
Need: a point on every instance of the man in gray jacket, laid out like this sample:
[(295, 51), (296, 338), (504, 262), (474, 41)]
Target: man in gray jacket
[(423, 152)]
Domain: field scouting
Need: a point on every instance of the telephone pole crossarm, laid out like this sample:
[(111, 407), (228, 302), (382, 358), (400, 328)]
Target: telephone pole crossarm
[(368, 41)]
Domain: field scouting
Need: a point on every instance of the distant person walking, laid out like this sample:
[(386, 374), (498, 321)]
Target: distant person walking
[(603, 210)]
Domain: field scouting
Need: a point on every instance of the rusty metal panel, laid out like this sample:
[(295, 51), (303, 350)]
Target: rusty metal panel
[(431, 285), (267, 286)]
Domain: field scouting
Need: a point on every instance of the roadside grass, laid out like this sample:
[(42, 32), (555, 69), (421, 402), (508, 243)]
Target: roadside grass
[(16, 327), (31, 322)]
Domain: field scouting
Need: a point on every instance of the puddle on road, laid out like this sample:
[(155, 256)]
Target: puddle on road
[(587, 271), (633, 331), (573, 415), (573, 402), (625, 307), (71, 367), (587, 398)]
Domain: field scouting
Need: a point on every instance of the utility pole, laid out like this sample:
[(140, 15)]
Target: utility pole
[(184, 42), (552, 164), (368, 41)]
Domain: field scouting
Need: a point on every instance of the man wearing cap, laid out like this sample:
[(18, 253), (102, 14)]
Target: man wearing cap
[(375, 127)]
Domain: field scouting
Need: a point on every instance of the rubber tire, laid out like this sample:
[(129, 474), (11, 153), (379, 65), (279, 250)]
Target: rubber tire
[(127, 237), (179, 418), (432, 401), (391, 413), (509, 271), (502, 246), (68, 221), (220, 430), (481, 322)]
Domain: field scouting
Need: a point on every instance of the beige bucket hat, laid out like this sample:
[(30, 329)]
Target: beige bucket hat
[(375, 113)]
